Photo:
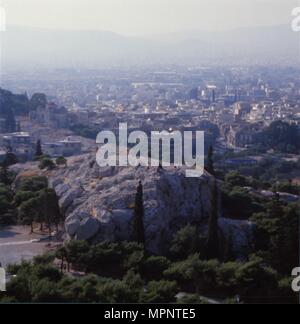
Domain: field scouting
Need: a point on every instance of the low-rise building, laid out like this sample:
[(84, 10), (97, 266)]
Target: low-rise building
[(20, 143), (66, 147)]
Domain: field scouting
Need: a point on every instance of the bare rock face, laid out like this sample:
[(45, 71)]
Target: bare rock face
[(87, 229), (99, 202)]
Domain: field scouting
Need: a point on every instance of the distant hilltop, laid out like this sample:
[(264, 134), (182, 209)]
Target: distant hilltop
[(60, 48)]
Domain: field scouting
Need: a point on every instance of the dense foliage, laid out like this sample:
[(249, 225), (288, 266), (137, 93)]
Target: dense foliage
[(85, 131), (12, 105), (122, 272), (197, 265), (283, 137), (28, 202)]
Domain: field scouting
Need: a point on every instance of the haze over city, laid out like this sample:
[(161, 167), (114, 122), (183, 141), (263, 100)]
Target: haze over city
[(135, 17), (116, 33)]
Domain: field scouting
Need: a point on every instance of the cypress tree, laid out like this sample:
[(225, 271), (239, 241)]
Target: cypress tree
[(38, 150), (210, 162), (139, 212), (4, 175), (49, 208), (10, 121), (212, 247), (19, 127), (6, 110)]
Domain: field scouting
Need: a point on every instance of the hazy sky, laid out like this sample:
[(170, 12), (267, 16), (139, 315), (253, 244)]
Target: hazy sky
[(138, 17)]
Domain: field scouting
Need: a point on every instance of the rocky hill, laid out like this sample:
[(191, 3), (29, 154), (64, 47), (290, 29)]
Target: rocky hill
[(99, 202)]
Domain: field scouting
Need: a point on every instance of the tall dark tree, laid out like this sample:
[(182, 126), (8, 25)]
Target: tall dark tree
[(210, 162), (18, 127), (278, 238), (38, 100), (10, 159), (213, 247), (38, 150), (61, 254), (29, 212), (139, 213), (6, 110), (4, 174), (49, 208), (10, 121)]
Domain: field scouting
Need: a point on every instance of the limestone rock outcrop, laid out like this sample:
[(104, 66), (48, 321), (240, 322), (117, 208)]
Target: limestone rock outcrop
[(99, 202)]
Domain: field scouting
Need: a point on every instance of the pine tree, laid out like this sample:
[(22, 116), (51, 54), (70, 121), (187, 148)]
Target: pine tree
[(10, 158), (212, 247), (210, 162), (138, 227), (38, 150)]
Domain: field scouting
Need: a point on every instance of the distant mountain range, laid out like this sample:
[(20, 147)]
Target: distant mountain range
[(24, 46)]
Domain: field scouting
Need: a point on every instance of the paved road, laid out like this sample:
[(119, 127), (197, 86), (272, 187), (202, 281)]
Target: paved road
[(19, 243), (16, 244)]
